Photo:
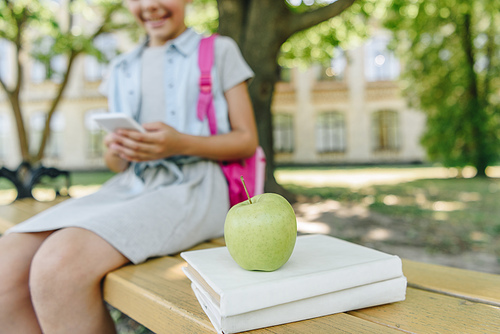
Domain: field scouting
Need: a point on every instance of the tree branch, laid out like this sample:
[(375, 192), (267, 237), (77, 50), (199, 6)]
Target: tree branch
[(490, 50), (14, 93), (18, 44), (107, 18), (306, 20), (5, 88), (54, 104)]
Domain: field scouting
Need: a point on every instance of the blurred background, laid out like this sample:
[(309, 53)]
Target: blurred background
[(381, 122)]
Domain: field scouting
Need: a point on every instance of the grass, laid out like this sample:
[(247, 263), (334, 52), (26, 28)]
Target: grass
[(445, 215)]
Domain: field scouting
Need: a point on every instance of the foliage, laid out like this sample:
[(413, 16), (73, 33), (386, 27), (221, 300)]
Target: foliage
[(451, 53), (443, 215), (203, 16), (42, 30), (317, 44), (313, 45)]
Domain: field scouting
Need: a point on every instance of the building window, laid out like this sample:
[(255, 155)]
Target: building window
[(336, 69), (385, 130), (380, 63), (283, 133), (4, 137), (58, 67), (330, 132), (50, 67), (95, 135), (96, 66), (54, 145), (38, 72)]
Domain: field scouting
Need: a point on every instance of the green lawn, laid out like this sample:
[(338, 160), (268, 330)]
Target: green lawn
[(445, 215)]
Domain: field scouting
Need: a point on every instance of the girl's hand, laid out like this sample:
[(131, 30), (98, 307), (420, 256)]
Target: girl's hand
[(112, 157), (160, 141)]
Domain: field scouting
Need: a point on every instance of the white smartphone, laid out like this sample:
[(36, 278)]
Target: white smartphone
[(113, 121)]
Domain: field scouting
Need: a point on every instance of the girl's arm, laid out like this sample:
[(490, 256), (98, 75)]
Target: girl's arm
[(162, 141)]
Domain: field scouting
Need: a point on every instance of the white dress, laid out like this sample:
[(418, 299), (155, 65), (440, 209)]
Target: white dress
[(151, 209)]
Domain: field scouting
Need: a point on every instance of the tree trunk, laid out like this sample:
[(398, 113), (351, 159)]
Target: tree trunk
[(475, 109), (21, 130), (260, 27), (260, 18)]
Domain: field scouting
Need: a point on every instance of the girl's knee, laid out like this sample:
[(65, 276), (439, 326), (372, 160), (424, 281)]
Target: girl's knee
[(65, 262), (57, 269), (49, 273)]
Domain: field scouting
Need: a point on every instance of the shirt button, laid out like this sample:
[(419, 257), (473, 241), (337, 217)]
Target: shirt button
[(130, 92), (170, 60), (170, 85)]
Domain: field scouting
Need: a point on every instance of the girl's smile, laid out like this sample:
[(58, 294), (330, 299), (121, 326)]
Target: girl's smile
[(163, 20)]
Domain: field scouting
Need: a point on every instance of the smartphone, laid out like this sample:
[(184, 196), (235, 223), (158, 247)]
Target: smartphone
[(113, 121)]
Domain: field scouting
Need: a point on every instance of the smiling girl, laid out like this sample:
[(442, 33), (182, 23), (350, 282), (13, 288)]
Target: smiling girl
[(169, 192)]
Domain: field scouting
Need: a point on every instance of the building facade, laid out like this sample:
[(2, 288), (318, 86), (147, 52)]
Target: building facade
[(351, 112)]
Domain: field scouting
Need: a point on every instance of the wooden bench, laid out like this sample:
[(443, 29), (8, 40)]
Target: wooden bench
[(439, 299)]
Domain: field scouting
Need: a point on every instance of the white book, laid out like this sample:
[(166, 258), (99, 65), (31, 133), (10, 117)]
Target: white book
[(379, 293), (319, 265)]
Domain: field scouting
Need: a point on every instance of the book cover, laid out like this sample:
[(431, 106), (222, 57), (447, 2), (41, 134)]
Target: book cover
[(378, 293), (319, 265)]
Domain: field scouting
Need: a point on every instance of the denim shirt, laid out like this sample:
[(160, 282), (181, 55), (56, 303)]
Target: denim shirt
[(122, 86), (181, 87)]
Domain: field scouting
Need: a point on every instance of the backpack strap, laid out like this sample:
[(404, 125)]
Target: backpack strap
[(205, 100)]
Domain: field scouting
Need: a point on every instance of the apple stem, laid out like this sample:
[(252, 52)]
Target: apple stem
[(244, 186)]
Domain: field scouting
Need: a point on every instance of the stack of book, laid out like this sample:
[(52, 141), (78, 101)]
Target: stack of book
[(324, 275)]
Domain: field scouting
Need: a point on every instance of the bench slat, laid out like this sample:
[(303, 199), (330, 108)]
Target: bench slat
[(337, 323), (467, 284), (158, 295), (21, 210), (429, 312)]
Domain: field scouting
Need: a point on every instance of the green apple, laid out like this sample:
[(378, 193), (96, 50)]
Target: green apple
[(260, 233)]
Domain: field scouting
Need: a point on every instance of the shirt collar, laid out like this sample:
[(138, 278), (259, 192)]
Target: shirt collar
[(187, 42)]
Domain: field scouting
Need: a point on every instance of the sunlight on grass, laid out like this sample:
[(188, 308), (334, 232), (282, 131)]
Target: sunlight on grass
[(428, 208), (378, 234), (358, 178), (80, 191), (391, 200), (313, 227), (43, 194), (7, 196), (493, 171), (447, 206)]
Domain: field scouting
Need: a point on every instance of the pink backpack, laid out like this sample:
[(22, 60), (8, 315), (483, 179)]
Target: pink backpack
[(253, 168)]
